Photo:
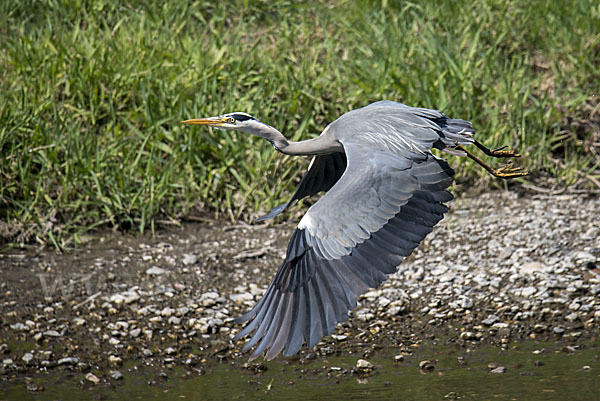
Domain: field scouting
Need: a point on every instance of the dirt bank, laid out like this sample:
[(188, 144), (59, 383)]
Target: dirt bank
[(499, 268)]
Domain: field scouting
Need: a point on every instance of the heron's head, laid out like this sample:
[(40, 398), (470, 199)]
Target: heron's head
[(230, 121)]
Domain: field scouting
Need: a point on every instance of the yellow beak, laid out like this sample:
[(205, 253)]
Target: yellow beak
[(211, 121)]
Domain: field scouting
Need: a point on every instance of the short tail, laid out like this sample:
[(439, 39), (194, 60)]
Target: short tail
[(454, 132)]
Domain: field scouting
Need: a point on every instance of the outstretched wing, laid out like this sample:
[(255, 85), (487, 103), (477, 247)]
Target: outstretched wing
[(374, 216), (322, 173)]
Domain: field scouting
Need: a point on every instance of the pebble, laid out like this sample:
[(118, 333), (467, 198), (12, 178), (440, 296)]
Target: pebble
[(115, 359), (571, 317), (19, 327), (364, 366), (189, 259), (135, 332), (466, 303), (184, 310), (156, 271), (209, 298), (27, 358), (68, 361), (490, 320), (116, 375), (167, 311), (92, 378), (427, 366)]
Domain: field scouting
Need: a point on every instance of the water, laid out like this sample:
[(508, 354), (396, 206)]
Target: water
[(552, 374)]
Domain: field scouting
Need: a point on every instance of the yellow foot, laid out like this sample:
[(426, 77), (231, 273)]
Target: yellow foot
[(509, 172), (499, 152), (503, 153)]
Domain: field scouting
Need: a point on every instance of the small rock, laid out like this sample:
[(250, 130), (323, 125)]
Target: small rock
[(92, 378), (427, 366), (51, 333), (131, 297), (339, 337), (68, 361), (167, 311), (19, 327), (191, 361), (189, 259), (174, 320), (170, 351), (239, 298), (147, 352), (135, 332), (116, 375), (27, 358), (156, 271), (532, 267), (382, 302), (115, 360), (209, 298), (79, 321), (526, 292), (583, 258), (570, 349), (499, 369), (364, 366), (571, 317), (399, 358), (364, 315), (558, 330), (466, 303), (122, 325), (490, 320), (184, 310), (7, 361), (33, 387), (468, 335)]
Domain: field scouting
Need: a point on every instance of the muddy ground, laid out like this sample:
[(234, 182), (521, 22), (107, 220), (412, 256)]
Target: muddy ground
[(501, 267)]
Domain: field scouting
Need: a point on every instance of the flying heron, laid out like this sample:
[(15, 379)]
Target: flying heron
[(385, 191)]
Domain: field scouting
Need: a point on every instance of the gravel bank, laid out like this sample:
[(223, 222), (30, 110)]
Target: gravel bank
[(501, 267)]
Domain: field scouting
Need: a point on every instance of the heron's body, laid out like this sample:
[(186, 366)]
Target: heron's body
[(385, 191)]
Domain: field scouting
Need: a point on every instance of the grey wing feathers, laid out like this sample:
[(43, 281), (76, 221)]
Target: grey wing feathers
[(322, 173), (310, 294)]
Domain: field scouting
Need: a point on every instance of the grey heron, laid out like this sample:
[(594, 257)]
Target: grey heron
[(384, 192)]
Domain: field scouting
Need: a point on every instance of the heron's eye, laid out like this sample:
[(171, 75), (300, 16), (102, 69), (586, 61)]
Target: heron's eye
[(230, 120)]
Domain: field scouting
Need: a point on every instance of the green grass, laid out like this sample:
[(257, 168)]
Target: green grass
[(92, 92)]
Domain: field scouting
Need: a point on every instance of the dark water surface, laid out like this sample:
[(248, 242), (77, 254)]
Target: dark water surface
[(533, 371)]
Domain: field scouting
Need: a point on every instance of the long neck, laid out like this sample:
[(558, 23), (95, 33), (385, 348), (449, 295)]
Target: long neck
[(315, 146)]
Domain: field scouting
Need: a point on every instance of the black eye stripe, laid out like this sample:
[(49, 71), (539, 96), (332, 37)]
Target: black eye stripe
[(242, 117)]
